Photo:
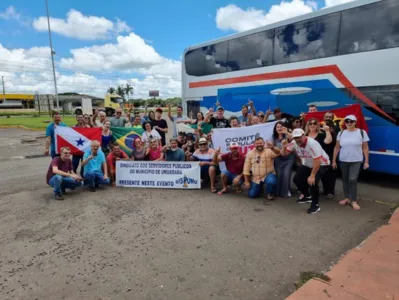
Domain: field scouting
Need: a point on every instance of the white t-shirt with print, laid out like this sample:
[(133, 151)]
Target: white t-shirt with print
[(145, 137), (351, 145), (309, 152)]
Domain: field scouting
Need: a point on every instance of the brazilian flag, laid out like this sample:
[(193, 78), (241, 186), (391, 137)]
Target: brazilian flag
[(125, 137)]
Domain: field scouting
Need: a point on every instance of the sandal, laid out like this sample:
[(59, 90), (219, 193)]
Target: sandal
[(344, 202), (214, 191), (354, 205), (222, 191)]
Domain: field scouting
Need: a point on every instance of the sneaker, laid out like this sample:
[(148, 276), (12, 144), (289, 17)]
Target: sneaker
[(330, 196), (313, 209), (289, 194), (304, 200), (58, 197), (92, 189)]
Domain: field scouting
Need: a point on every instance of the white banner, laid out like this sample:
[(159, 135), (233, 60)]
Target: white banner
[(158, 174), (244, 136)]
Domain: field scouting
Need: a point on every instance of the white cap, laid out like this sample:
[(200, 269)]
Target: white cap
[(234, 145), (297, 132), (351, 117)]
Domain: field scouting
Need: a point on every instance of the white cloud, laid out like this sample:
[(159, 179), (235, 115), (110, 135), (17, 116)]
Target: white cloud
[(10, 14), (336, 2), (77, 25), (232, 17)]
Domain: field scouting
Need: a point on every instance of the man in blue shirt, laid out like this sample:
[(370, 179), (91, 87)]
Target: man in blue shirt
[(95, 167), (50, 135)]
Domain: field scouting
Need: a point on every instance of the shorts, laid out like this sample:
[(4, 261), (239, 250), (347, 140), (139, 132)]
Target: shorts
[(230, 177)]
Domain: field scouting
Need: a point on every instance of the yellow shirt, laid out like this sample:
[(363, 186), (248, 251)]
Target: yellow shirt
[(260, 163)]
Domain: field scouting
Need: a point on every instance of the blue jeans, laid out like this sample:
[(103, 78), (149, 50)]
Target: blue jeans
[(270, 185), (60, 183), (95, 177), (230, 177)]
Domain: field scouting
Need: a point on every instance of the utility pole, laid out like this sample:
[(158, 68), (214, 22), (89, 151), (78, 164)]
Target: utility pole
[(52, 56), (4, 90)]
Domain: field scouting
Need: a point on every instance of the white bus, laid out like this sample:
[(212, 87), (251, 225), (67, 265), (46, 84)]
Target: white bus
[(331, 58)]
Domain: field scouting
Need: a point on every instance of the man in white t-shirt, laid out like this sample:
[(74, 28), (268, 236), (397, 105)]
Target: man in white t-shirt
[(314, 165)]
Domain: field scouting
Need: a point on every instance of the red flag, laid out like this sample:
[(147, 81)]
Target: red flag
[(340, 114), (77, 139)]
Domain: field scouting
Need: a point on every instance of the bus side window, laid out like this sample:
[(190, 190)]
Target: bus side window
[(370, 27)]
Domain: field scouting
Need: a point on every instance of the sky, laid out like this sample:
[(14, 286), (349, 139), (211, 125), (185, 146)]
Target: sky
[(136, 42)]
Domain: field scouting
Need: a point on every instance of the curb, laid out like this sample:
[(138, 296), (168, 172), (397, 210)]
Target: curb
[(20, 127), (317, 289)]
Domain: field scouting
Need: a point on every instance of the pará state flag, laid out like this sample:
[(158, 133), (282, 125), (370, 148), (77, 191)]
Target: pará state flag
[(77, 139), (125, 137), (340, 114)]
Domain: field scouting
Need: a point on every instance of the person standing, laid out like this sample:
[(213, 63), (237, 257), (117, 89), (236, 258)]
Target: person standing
[(102, 117), (314, 165), (50, 134), (116, 154), (352, 146), (219, 121), (118, 120), (160, 125), (173, 152), (95, 166), (60, 175), (178, 119), (76, 159), (259, 169), (244, 118)]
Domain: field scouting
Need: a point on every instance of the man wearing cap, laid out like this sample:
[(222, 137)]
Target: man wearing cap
[(314, 165), (234, 167), (219, 121), (259, 169), (160, 125), (178, 119), (204, 155), (118, 120)]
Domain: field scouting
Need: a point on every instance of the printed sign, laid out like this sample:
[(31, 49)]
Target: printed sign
[(244, 136), (160, 175)]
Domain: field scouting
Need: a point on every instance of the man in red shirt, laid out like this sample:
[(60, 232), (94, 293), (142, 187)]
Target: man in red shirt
[(234, 167), (115, 155), (60, 174)]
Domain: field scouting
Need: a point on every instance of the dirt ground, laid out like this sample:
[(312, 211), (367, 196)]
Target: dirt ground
[(162, 244)]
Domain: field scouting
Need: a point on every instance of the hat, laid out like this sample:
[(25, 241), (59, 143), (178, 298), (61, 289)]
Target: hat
[(298, 133), (234, 145), (220, 107), (202, 141), (351, 117), (159, 110)]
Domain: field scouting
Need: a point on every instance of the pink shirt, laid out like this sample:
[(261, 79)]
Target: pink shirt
[(155, 154)]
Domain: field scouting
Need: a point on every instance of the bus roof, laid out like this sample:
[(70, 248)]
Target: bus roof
[(318, 13)]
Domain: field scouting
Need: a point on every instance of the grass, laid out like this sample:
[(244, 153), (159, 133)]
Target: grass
[(306, 276), (34, 122)]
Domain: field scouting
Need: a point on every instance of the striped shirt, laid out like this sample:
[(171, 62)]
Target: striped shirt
[(204, 156)]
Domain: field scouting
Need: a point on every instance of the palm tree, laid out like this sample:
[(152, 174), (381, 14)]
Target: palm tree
[(120, 91), (129, 90), (111, 90)]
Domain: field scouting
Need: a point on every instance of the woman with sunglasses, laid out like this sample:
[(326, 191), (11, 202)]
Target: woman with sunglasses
[(139, 151), (352, 146), (87, 121), (283, 164), (327, 142), (154, 152)]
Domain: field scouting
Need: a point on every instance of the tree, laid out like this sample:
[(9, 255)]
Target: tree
[(111, 90), (120, 91), (128, 90)]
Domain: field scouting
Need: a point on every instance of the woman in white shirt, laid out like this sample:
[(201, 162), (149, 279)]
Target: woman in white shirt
[(149, 134), (352, 146)]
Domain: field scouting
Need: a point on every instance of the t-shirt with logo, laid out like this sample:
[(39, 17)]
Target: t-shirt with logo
[(234, 165), (309, 152), (62, 165), (219, 123), (351, 143)]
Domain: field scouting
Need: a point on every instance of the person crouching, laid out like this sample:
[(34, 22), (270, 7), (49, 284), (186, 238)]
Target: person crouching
[(95, 171)]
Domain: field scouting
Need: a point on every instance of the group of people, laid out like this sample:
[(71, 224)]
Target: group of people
[(315, 149)]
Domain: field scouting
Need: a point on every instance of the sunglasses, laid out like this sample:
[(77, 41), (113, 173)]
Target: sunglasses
[(67, 153), (202, 144), (349, 121), (257, 159), (313, 123), (261, 116), (118, 113)]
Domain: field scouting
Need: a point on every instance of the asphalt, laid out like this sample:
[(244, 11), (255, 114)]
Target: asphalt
[(163, 244)]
